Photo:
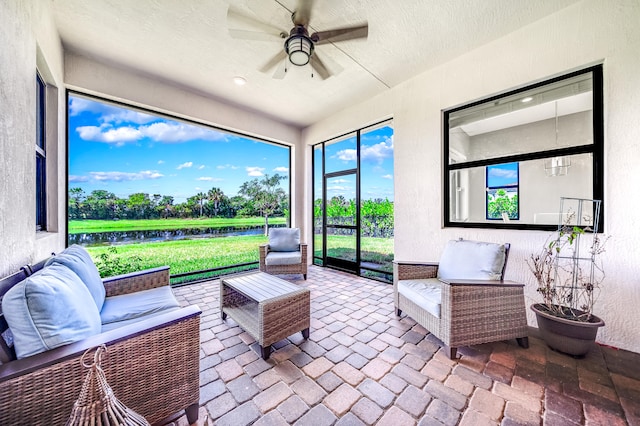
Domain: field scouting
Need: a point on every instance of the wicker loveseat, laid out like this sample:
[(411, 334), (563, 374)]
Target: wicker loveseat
[(463, 300), (152, 362), (284, 254)]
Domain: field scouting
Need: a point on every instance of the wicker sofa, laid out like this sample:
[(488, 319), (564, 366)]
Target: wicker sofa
[(463, 300), (151, 363), (284, 254)]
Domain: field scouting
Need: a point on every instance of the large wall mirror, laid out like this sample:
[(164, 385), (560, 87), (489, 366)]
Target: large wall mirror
[(510, 158)]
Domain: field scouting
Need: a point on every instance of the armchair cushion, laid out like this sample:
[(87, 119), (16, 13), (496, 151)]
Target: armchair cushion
[(426, 293), (51, 308), (77, 259), (138, 305), (283, 258), (472, 260), (284, 239)]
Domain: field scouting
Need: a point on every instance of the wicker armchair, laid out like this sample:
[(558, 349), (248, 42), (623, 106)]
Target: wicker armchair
[(152, 365), (461, 311), (284, 254)]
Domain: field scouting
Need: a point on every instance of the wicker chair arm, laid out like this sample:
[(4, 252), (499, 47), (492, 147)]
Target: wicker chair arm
[(485, 283), (151, 365), (136, 281), (406, 270)]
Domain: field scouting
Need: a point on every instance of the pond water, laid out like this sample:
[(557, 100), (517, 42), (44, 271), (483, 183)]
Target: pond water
[(127, 237)]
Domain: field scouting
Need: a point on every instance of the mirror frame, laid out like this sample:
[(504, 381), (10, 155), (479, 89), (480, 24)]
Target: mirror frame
[(596, 148)]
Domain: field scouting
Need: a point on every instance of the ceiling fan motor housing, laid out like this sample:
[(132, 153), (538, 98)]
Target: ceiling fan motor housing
[(299, 46)]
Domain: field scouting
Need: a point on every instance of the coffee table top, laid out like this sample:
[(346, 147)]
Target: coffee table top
[(260, 286)]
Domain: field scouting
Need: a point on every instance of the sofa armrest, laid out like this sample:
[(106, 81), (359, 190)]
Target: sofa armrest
[(152, 367), (136, 281)]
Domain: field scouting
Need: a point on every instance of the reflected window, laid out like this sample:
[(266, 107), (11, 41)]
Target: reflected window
[(511, 157), (502, 192)]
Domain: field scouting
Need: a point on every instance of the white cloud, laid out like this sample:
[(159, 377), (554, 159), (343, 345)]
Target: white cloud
[(503, 173), (336, 188), (125, 176), (227, 166), (118, 136), (340, 180), (108, 113), (387, 177), (281, 169), (163, 132), (255, 171), (173, 132), (209, 179), (201, 167), (160, 161), (371, 153), (347, 155), (185, 165), (378, 152), (74, 178)]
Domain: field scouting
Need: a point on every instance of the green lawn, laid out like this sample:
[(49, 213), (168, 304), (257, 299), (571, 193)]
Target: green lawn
[(91, 226), (207, 253)]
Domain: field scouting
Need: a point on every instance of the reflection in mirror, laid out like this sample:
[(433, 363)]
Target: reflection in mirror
[(510, 158)]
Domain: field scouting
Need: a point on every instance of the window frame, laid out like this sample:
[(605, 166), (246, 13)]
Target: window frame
[(41, 154), (489, 187), (596, 149)]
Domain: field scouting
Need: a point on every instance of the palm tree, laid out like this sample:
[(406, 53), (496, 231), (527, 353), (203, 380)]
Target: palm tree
[(200, 196), (215, 195)]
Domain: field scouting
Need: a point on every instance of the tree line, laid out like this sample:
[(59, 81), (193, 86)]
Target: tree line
[(376, 216), (258, 197)]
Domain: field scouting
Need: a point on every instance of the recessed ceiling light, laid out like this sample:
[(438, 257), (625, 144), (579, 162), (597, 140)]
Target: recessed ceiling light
[(527, 99), (240, 81)]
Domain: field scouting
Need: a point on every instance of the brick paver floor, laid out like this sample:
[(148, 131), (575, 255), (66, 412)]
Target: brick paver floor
[(363, 366)]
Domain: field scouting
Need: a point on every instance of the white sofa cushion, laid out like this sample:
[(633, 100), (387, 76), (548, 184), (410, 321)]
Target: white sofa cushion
[(138, 305), (426, 293), (77, 259), (275, 258), (471, 260), (284, 239), (51, 308)]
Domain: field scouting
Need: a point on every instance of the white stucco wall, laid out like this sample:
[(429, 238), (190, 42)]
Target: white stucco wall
[(589, 32), (28, 39)]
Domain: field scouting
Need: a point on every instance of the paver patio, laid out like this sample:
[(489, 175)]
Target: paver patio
[(362, 365)]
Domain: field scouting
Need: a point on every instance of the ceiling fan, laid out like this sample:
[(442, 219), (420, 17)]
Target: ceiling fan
[(299, 46)]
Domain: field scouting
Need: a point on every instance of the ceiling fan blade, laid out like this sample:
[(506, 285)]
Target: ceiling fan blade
[(340, 34), (302, 15), (251, 25), (280, 72), (253, 35), (319, 67), (278, 57)]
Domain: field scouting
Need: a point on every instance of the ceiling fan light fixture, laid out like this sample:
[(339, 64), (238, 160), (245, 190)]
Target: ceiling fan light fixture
[(299, 48)]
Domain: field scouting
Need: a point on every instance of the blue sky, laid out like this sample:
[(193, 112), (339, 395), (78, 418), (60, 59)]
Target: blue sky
[(376, 165), (502, 175), (125, 151)]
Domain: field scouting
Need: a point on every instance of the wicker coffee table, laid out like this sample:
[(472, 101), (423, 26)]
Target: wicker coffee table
[(266, 307)]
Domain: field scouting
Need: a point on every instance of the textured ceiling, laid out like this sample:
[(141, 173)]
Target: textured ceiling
[(187, 43)]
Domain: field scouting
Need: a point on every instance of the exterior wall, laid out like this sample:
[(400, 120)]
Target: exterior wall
[(29, 40), (583, 34)]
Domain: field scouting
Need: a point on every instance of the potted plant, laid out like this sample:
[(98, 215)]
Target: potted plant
[(569, 271)]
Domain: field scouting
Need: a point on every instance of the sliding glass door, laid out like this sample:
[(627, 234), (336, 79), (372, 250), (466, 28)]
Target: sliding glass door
[(353, 202)]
